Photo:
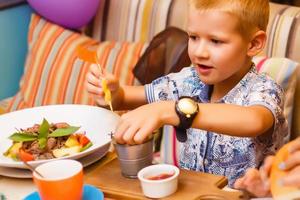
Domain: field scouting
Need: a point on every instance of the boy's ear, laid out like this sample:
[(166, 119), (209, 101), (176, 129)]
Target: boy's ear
[(257, 43)]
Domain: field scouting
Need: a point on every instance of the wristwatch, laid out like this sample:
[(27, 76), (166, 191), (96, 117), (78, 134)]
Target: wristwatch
[(186, 109)]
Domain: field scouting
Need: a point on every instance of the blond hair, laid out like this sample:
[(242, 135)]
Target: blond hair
[(251, 13)]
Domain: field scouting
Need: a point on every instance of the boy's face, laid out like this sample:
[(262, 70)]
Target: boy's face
[(216, 47)]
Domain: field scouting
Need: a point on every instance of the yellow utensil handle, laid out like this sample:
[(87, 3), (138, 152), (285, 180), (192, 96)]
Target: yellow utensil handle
[(107, 93)]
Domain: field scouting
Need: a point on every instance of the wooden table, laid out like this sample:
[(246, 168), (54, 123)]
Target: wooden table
[(105, 174), (192, 185)]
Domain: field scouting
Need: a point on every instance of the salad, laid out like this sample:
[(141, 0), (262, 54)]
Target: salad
[(46, 141)]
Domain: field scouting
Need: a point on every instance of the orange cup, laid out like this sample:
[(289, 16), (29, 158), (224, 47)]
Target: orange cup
[(62, 179)]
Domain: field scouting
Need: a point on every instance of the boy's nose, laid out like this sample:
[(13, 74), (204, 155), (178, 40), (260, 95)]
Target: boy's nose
[(201, 50)]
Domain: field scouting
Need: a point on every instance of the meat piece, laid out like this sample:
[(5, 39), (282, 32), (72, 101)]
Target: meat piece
[(46, 155), (34, 129), (51, 142), (34, 148), (61, 125), (60, 142)]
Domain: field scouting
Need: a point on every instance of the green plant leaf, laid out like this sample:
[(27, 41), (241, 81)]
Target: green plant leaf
[(22, 137), (42, 142), (44, 129), (43, 133), (64, 131)]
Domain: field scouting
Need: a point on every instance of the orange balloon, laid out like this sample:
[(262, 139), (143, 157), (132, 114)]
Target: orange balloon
[(281, 192)]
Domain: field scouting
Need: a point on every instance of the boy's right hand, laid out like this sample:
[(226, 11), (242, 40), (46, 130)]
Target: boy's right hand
[(94, 85)]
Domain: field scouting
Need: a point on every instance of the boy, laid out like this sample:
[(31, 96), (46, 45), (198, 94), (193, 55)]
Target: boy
[(234, 118)]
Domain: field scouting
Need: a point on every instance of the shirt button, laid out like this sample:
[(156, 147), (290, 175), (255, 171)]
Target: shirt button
[(206, 162)]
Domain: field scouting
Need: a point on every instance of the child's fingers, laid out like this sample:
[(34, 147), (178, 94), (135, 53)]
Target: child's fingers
[(239, 183), (121, 129), (268, 164), (255, 184), (292, 161), (128, 136), (94, 69), (99, 101), (91, 79), (143, 133), (112, 81), (292, 178), (265, 169), (252, 179), (251, 176), (295, 145), (94, 90)]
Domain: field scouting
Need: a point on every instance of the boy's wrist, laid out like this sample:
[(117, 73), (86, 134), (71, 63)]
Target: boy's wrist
[(118, 98), (168, 114)]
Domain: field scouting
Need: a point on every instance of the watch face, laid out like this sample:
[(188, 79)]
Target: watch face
[(187, 105)]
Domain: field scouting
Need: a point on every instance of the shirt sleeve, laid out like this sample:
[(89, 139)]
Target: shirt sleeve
[(270, 95), (171, 86), (160, 89)]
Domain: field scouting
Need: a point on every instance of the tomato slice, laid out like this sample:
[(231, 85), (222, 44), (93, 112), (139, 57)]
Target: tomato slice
[(23, 155), (83, 140)]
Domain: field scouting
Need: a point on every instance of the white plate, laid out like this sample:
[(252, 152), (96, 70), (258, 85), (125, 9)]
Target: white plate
[(85, 161), (97, 122)]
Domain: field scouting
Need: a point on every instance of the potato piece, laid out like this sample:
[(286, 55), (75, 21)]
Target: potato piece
[(66, 151), (72, 141)]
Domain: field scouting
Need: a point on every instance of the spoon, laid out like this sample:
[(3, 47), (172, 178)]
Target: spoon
[(33, 169), (90, 55), (107, 92)]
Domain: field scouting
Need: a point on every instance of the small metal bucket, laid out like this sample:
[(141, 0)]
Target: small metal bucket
[(133, 158)]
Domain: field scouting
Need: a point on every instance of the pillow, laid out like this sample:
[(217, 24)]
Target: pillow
[(282, 70), (55, 75)]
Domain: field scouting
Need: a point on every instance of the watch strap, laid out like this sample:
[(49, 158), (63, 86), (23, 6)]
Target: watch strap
[(181, 134)]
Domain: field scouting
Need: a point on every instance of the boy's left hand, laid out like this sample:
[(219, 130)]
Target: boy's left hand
[(136, 125)]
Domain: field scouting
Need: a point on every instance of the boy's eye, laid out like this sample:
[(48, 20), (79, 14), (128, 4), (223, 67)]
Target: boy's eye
[(192, 37), (215, 41)]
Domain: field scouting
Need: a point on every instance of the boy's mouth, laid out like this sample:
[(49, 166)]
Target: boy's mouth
[(203, 69), (205, 66)]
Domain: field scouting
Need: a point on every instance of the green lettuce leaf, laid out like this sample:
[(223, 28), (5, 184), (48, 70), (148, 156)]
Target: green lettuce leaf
[(22, 137), (43, 133), (64, 131)]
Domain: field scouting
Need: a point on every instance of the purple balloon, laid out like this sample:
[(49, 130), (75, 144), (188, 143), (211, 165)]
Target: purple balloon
[(68, 13)]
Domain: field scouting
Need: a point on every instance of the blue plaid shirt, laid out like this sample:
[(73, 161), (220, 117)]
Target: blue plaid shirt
[(220, 154)]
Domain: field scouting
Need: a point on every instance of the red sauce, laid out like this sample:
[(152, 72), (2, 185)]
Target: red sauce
[(160, 176)]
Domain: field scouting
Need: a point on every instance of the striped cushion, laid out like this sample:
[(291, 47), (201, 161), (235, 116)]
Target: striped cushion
[(4, 103), (282, 70), (55, 75), (283, 32), (130, 20), (1, 110)]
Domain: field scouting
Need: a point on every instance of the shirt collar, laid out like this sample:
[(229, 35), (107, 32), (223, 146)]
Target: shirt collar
[(205, 93)]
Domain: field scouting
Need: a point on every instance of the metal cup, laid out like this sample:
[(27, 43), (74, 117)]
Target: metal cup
[(133, 158)]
